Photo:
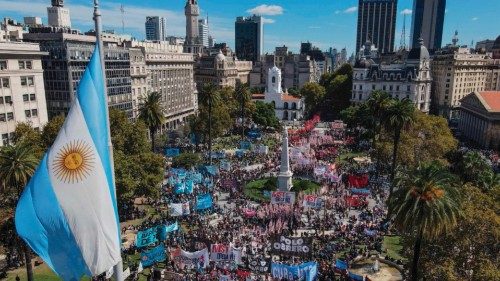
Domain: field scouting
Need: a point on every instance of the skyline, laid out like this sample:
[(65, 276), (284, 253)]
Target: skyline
[(333, 23)]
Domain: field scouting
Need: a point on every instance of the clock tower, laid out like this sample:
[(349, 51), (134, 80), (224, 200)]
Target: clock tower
[(193, 43)]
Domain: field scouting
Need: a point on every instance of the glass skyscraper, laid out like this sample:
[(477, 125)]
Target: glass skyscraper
[(377, 23), (427, 22), (249, 34)]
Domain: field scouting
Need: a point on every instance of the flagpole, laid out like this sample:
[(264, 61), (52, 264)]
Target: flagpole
[(118, 268)]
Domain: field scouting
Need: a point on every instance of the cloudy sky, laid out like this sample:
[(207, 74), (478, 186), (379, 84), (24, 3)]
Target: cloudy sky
[(326, 23)]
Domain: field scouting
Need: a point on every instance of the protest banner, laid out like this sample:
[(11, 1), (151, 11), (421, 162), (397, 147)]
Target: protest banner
[(204, 202), (163, 230), (146, 237), (225, 253), (195, 260), (156, 254), (259, 265), (292, 246), (341, 265), (179, 209), (304, 272), (282, 197), (312, 201)]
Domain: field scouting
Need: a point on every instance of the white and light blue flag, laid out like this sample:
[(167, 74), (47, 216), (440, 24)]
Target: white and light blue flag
[(67, 213)]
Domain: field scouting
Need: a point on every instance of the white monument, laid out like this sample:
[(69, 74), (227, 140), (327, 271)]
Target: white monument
[(285, 174), (286, 106)]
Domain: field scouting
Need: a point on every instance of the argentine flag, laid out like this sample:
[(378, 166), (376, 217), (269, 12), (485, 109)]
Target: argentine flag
[(67, 212)]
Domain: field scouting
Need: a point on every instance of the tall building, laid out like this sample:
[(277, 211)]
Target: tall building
[(203, 32), (69, 53), (22, 91), (409, 78), (58, 15), (427, 23), (249, 34), (156, 28), (193, 43), (456, 72), (11, 30), (493, 74), (377, 23)]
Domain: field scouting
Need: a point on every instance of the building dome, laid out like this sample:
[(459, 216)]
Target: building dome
[(420, 52), (363, 63), (220, 56), (496, 45)]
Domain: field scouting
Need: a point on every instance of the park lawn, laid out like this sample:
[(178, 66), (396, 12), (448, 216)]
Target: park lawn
[(393, 247), (254, 189), (348, 155), (41, 273)]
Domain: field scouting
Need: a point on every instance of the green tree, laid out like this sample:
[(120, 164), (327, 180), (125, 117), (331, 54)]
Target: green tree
[(400, 115), (243, 97), (378, 105), (151, 112), (186, 160), (51, 129), (313, 94), (27, 134), (338, 87), (127, 136), (425, 205), (17, 165), (209, 97), (264, 115), (471, 250)]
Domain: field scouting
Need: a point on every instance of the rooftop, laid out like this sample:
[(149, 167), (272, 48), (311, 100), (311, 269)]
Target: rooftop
[(490, 100)]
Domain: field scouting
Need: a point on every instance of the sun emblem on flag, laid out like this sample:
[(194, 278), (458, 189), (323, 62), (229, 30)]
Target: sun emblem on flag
[(73, 162)]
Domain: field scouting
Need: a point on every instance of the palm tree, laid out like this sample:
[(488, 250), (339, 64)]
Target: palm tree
[(378, 103), (400, 114), (17, 165), (426, 205), (209, 97), (151, 112), (243, 96)]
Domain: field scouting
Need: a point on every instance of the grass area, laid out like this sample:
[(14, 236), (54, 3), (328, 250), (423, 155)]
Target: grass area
[(392, 245), (41, 273), (343, 157), (255, 189)]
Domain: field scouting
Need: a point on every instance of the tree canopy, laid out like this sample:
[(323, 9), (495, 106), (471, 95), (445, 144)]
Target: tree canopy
[(264, 115)]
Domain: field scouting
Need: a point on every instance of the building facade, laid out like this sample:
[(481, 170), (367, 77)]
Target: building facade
[(479, 119), (58, 16), (286, 107), (427, 23), (22, 92), (493, 74), (377, 23), (203, 32), (249, 38), (456, 72), (156, 28), (401, 79), (193, 43)]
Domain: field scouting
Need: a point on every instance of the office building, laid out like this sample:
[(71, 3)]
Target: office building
[(58, 15), (249, 38), (485, 46), (427, 23), (203, 32), (479, 119), (456, 72), (377, 23), (22, 92), (409, 78), (493, 74), (156, 28), (193, 43), (11, 30), (32, 21)]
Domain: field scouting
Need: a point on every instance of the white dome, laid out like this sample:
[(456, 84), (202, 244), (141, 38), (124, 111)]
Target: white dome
[(220, 56), (275, 69)]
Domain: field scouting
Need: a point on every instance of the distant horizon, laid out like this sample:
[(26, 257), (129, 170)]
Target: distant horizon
[(289, 23)]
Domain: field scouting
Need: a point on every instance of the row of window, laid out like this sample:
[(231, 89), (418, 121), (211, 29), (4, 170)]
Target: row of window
[(384, 87), (9, 116), (26, 97), (23, 64), (25, 81)]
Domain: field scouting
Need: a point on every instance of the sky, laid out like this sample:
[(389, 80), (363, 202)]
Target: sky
[(325, 23)]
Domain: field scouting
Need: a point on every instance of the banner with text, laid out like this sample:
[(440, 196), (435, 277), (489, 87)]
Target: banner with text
[(179, 209), (146, 237), (282, 197), (292, 246), (156, 254), (204, 202), (312, 201), (225, 253), (303, 272), (259, 265), (194, 260)]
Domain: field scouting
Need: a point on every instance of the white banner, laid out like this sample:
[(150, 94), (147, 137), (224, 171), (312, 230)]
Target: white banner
[(224, 253), (179, 209), (197, 259), (312, 201), (282, 197)]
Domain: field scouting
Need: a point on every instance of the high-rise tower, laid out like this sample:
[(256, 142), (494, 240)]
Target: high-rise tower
[(156, 28), (427, 22), (249, 41), (192, 11), (377, 21), (58, 15)]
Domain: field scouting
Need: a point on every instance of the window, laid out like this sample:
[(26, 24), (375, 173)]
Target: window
[(273, 80), (408, 88), (373, 87), (34, 112), (24, 81), (361, 87), (32, 97), (26, 97), (3, 64), (10, 116), (2, 117), (5, 139), (384, 87), (27, 81), (5, 83), (27, 113), (21, 65), (8, 99)]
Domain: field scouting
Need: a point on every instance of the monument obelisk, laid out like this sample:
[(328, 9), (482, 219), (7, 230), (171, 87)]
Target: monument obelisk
[(285, 174)]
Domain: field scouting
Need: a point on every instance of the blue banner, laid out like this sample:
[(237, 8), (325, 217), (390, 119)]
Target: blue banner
[(204, 202), (361, 191), (355, 277), (304, 272), (163, 230), (156, 254), (245, 145), (146, 237), (340, 264), (172, 152)]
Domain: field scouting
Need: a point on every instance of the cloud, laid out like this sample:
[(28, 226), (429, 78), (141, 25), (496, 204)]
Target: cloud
[(266, 10), (475, 18), (314, 27), (268, 20), (406, 12), (351, 10)]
